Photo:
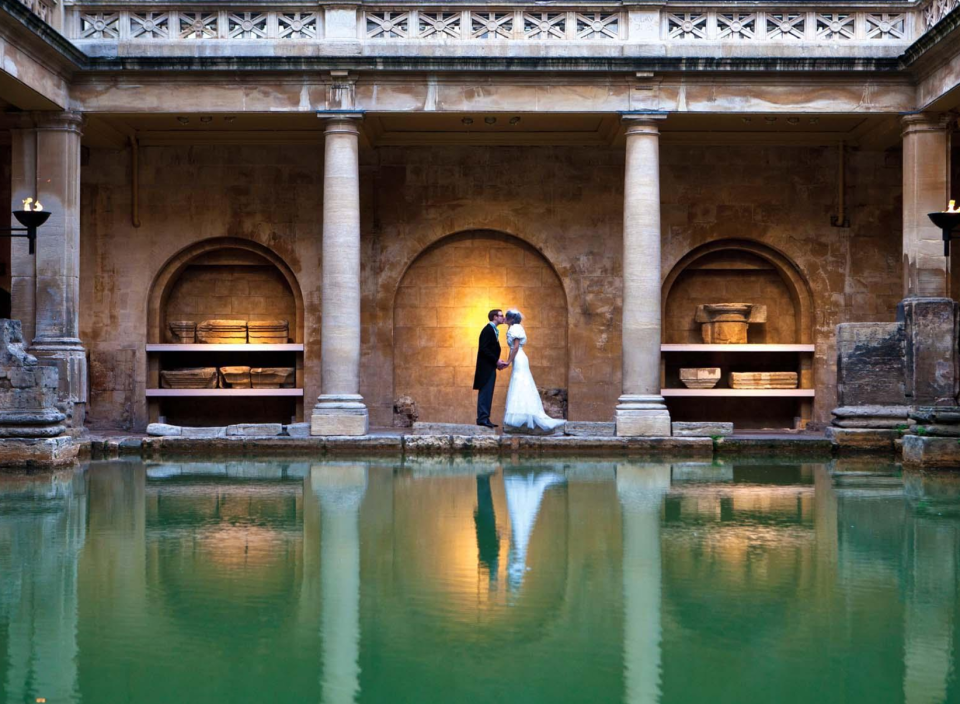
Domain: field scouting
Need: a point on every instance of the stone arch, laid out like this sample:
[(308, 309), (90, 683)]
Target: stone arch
[(440, 307), (170, 273), (731, 253)]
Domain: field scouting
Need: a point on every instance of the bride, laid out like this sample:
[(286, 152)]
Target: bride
[(524, 407)]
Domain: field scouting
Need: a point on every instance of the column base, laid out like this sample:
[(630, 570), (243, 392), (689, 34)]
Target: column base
[(642, 416), (69, 357), (340, 414)]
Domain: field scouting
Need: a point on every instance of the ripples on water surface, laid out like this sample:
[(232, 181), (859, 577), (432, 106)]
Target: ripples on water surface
[(452, 582)]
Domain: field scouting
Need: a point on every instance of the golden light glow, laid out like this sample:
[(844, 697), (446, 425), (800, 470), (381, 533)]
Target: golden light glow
[(31, 204), (952, 207)]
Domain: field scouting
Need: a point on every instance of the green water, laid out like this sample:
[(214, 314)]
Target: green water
[(552, 582)]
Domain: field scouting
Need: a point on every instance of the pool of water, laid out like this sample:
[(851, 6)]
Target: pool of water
[(455, 582)]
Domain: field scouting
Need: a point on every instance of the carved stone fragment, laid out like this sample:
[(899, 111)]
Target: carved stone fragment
[(727, 323), (183, 332), (700, 377), (272, 377), (28, 391), (195, 378), (267, 332), (763, 380), (236, 377), (222, 332), (405, 412)]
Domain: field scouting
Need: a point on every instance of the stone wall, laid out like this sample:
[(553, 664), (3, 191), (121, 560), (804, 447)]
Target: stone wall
[(565, 203), (442, 305)]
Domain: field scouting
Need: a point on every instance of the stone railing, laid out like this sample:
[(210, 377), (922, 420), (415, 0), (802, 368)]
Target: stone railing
[(933, 11), (864, 24), (46, 10)]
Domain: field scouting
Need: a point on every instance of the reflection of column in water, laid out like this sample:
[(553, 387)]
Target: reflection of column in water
[(38, 588), (929, 613), (488, 543), (524, 494), (340, 489), (641, 489)]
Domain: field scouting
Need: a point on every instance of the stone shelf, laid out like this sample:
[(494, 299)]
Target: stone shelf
[(167, 393), (224, 348), (736, 348), (720, 393)]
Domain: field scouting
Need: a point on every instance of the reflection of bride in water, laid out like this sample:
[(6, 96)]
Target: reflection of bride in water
[(524, 495)]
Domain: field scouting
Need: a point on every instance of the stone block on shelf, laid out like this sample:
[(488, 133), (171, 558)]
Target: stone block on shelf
[(183, 332), (763, 380), (700, 377), (272, 377), (268, 332), (236, 377), (194, 378), (727, 323), (222, 332)]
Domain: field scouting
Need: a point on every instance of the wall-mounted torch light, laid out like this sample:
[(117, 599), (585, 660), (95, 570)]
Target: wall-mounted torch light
[(31, 217)]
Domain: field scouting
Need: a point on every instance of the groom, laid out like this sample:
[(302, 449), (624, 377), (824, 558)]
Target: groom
[(488, 364)]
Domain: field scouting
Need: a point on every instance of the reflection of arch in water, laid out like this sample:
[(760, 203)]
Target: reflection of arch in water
[(441, 305), (241, 543)]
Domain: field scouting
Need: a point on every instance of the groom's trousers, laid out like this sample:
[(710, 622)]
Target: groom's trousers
[(485, 399)]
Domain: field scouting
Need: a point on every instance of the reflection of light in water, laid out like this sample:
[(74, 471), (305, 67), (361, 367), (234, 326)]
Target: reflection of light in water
[(524, 494), (247, 546)]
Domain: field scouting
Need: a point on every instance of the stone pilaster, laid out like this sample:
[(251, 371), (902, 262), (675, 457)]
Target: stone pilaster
[(641, 409), (46, 286), (340, 409), (926, 161)]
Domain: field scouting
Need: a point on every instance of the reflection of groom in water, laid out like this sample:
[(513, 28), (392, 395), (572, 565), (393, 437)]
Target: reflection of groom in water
[(488, 542), (488, 364)]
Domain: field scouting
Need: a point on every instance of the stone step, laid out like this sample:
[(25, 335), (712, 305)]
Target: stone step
[(420, 428), (701, 430), (590, 429)]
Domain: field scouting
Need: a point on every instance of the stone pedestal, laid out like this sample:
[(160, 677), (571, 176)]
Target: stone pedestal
[(340, 409), (931, 452), (727, 323), (641, 409), (46, 286), (31, 427)]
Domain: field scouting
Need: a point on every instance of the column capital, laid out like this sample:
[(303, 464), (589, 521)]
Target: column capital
[(341, 121), (642, 122), (924, 122), (65, 121)]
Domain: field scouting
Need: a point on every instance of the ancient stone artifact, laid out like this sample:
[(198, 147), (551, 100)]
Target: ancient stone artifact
[(222, 332), (272, 377), (28, 392), (183, 331), (194, 378), (236, 377), (726, 323), (700, 377), (763, 380), (267, 332), (405, 412)]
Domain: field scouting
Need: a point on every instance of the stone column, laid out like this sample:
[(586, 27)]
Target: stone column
[(340, 409), (641, 409), (340, 490), (641, 489), (46, 287), (926, 161)]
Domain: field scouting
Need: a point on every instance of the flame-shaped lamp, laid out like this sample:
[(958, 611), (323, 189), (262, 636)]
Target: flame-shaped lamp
[(31, 217), (947, 221)]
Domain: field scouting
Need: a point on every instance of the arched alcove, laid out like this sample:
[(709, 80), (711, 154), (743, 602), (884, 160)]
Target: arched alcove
[(739, 271), (234, 279), (224, 277), (441, 307)]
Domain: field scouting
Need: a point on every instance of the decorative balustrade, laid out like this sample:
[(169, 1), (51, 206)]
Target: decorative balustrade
[(45, 10), (902, 23)]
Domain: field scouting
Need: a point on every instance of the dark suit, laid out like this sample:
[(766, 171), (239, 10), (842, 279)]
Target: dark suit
[(485, 378)]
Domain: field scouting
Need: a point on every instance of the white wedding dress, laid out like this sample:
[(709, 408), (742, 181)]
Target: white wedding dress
[(524, 407)]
